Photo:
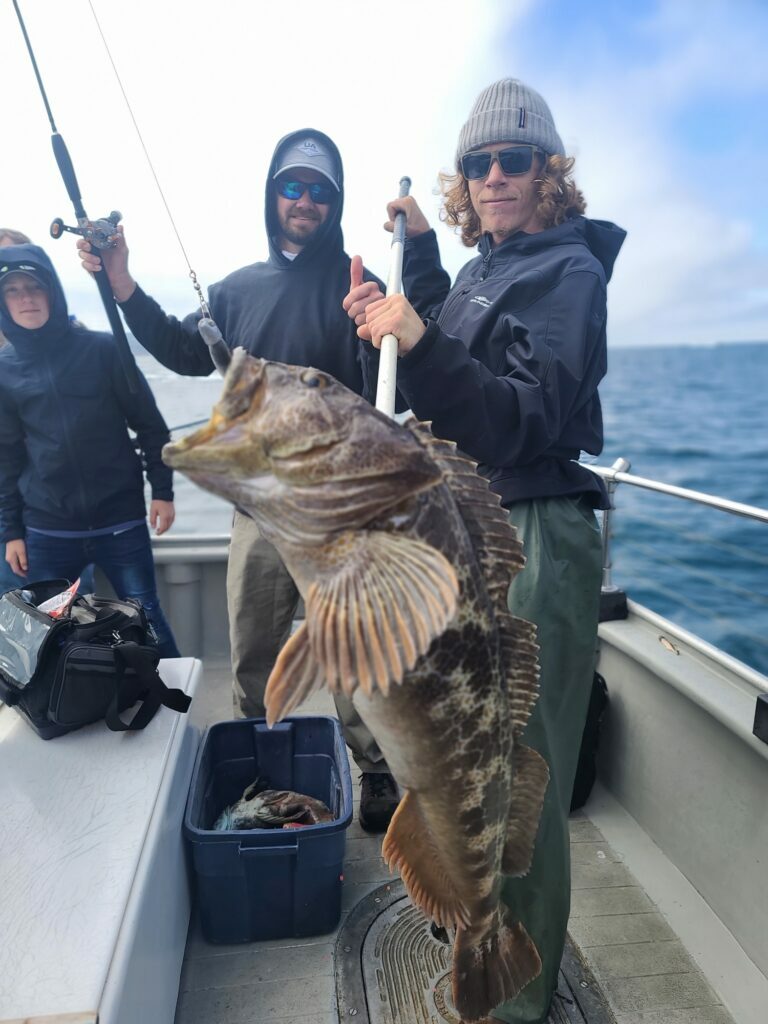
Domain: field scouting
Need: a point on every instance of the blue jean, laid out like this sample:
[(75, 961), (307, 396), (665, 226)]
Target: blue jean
[(10, 581), (126, 560)]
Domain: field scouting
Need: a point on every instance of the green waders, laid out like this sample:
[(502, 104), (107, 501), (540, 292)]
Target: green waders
[(558, 590)]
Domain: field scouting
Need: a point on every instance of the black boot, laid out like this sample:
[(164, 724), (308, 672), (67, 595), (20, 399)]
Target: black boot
[(378, 799)]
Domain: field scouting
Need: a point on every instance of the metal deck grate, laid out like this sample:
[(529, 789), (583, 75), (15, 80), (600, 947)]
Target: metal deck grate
[(391, 970)]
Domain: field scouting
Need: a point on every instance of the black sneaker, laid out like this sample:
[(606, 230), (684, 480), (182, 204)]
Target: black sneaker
[(378, 799)]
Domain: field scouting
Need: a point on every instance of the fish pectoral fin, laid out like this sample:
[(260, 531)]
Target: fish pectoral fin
[(529, 785), (296, 674), (371, 620), (408, 847)]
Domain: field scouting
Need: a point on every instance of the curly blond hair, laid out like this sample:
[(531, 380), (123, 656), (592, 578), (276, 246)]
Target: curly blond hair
[(559, 199)]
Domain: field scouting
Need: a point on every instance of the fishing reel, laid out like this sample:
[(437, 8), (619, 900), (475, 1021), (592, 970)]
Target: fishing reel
[(98, 232)]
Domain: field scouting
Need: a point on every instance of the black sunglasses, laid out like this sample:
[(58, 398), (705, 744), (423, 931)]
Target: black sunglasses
[(516, 160), (320, 194)]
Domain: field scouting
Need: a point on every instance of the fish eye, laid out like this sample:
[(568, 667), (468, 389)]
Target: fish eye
[(313, 379)]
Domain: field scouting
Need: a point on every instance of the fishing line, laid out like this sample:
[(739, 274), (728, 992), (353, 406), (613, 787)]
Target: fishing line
[(203, 304), (187, 426)]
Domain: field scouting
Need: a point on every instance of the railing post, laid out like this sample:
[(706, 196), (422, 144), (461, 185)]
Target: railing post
[(613, 601), (185, 611)]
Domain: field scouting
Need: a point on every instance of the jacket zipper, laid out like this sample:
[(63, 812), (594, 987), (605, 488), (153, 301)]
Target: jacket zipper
[(458, 296), (486, 264)]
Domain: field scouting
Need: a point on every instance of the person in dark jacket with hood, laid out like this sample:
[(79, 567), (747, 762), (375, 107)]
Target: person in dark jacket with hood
[(507, 364), (286, 309), (8, 579), (71, 481)]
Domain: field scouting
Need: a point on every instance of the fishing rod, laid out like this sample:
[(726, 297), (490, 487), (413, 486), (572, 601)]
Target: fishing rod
[(385, 386), (99, 232)]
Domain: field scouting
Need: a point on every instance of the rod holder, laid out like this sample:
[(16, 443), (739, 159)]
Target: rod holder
[(613, 600)]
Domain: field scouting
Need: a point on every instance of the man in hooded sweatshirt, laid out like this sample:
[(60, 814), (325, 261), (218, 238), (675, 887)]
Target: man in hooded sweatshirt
[(286, 309), (506, 363), (71, 481)]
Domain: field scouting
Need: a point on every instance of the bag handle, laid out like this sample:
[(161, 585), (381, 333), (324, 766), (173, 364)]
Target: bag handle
[(143, 661)]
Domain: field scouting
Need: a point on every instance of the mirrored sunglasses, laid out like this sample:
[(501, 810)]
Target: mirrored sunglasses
[(515, 160), (318, 193)]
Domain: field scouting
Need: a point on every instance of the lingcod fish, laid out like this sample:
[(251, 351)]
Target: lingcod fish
[(404, 559)]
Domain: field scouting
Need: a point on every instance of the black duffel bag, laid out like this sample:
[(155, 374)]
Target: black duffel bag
[(94, 662)]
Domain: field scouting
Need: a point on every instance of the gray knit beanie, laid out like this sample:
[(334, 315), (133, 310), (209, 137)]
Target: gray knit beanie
[(509, 111)]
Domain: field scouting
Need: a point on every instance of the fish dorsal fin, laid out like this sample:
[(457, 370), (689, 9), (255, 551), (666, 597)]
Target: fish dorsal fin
[(409, 848), (529, 783), (520, 653), (500, 555), (494, 539), (383, 600)]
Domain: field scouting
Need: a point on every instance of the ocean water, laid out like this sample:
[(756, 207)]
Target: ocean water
[(693, 417), (696, 418)]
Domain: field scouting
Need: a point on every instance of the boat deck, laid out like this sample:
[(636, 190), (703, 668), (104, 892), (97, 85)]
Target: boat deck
[(646, 974)]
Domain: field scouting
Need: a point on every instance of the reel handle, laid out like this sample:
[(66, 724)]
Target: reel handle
[(98, 232)]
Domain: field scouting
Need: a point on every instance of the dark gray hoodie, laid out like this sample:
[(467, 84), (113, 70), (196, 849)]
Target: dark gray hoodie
[(284, 310)]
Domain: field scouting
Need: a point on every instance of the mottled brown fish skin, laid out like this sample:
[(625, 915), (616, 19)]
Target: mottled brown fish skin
[(447, 736), (403, 558)]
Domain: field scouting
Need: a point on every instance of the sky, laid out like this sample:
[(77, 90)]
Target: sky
[(662, 102)]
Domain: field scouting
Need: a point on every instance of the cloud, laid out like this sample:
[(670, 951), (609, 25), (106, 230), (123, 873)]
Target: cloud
[(694, 266), (212, 91)]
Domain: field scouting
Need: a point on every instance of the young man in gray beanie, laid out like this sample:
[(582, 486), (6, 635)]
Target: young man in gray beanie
[(507, 363)]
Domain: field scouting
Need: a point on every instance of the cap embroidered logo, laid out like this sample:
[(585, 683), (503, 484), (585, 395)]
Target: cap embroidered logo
[(309, 148)]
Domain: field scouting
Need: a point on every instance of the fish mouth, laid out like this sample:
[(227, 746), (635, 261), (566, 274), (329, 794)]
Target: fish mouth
[(219, 446), (184, 453)]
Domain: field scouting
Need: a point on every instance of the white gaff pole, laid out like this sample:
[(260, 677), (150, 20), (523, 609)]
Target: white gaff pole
[(385, 388)]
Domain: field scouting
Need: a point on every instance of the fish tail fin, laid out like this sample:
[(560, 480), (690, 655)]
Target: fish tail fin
[(490, 968)]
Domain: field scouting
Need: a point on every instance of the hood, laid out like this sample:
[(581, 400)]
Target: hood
[(58, 322), (604, 240), (601, 237), (328, 239)]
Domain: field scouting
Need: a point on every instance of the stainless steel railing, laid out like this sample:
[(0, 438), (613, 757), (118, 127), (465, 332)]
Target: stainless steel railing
[(726, 607), (617, 474)]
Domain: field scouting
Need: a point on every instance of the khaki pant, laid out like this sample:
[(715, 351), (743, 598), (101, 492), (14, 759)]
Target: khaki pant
[(559, 590), (262, 600)]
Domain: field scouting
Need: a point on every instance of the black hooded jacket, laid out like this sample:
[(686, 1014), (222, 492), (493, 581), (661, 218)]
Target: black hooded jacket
[(284, 310), (513, 354), (66, 459)]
